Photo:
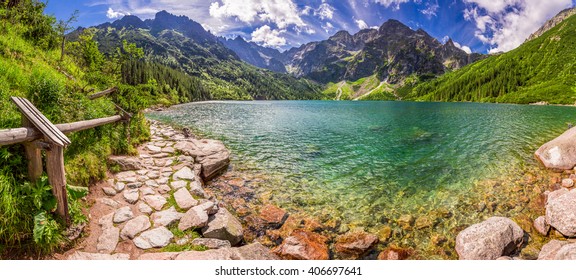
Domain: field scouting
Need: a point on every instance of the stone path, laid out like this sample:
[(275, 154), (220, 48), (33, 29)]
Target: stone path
[(160, 194)]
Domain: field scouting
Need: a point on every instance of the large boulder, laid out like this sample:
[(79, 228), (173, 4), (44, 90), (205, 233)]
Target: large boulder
[(560, 153), (558, 250), (561, 213), (355, 244), (225, 226), (303, 245), (489, 240), (211, 154)]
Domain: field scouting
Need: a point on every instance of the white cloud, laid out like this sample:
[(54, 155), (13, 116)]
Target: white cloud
[(431, 9), (328, 27), (268, 37), (464, 48), (280, 12), (115, 14), (506, 24), (361, 24), (325, 11), (307, 10), (394, 3)]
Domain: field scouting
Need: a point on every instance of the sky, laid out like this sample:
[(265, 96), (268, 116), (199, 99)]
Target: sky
[(484, 26)]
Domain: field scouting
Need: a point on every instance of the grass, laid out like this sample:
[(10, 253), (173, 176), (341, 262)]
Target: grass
[(191, 234)]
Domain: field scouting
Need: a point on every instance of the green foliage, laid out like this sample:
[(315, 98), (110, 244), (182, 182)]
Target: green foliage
[(542, 69)]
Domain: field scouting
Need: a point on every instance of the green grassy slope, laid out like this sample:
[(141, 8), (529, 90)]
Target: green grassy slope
[(543, 69)]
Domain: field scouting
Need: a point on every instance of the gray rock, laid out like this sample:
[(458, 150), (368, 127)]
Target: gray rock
[(211, 243), (168, 150), (550, 249), (164, 189), (185, 173), (110, 202), (109, 191), (541, 226), (123, 175), (254, 251), (146, 191), (83, 256), (159, 256), (142, 172), (123, 214), (151, 183), (155, 201), (559, 153), (225, 226), (567, 252), (144, 208), (196, 217), (106, 221), (489, 240), (119, 186), (125, 163), (153, 175), (561, 213), (135, 226), (166, 217), (134, 185), (154, 149), (209, 206), (154, 238), (197, 190), (185, 159), (184, 199), (108, 240), (162, 181), (556, 194), (178, 184), (211, 154), (183, 241)]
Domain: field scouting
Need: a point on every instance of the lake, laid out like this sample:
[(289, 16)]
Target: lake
[(416, 170)]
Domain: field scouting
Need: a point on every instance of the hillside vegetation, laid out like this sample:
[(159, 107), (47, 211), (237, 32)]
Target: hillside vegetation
[(543, 69)]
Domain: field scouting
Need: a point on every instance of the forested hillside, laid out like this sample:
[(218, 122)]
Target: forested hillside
[(543, 69)]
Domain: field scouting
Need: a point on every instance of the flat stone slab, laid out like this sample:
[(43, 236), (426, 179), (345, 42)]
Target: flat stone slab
[(79, 256), (166, 217), (185, 173), (144, 208), (211, 243), (135, 226), (154, 238), (178, 184), (108, 240), (159, 256), (184, 199), (218, 254), (196, 217), (123, 214), (109, 191), (131, 195), (155, 201)]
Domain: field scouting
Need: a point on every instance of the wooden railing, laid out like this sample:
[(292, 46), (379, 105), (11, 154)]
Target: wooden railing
[(38, 134)]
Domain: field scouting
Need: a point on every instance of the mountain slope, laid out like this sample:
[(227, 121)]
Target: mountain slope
[(253, 54), (182, 44), (543, 69), (552, 23)]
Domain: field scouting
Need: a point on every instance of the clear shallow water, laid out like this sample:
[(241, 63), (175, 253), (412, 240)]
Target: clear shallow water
[(368, 163)]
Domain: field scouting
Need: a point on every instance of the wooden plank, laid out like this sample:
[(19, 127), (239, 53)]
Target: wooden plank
[(102, 93), (33, 155), (40, 122), (57, 179), (23, 134)]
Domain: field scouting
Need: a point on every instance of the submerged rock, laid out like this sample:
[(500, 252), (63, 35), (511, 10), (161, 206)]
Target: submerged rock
[(273, 215), (489, 240), (303, 245), (560, 153), (355, 244), (394, 254), (541, 226)]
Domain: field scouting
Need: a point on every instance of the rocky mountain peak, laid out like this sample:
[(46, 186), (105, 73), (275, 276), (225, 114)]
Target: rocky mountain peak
[(560, 17)]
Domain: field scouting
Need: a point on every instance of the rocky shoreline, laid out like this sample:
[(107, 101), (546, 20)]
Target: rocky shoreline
[(501, 238), (158, 206)]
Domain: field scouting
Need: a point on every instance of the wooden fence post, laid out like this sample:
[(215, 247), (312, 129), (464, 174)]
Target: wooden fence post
[(57, 179), (33, 155)]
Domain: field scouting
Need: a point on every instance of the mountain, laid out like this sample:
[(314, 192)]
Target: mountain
[(182, 44), (540, 70), (256, 55), (393, 52), (553, 22)]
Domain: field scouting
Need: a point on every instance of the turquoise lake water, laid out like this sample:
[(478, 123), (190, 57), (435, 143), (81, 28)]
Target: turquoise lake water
[(368, 163)]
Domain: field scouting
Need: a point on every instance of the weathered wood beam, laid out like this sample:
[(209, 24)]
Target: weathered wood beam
[(57, 179), (33, 155), (23, 134), (102, 93)]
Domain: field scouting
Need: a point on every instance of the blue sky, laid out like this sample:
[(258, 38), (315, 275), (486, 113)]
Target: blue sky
[(475, 25)]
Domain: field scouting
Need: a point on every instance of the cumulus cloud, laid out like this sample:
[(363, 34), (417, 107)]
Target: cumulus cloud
[(462, 47), (394, 3), (361, 24), (506, 24), (115, 14), (325, 11), (431, 9), (268, 37), (280, 12)]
